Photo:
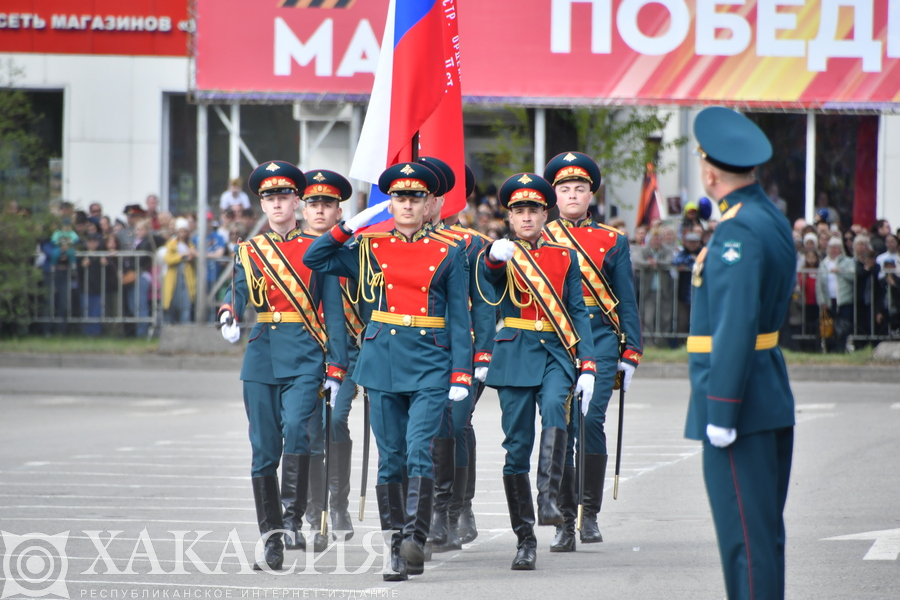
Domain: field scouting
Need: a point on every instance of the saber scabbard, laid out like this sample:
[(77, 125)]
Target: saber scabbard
[(367, 433), (323, 526), (619, 441), (579, 519)]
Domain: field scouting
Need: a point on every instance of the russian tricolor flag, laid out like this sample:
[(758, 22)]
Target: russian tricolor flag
[(417, 89)]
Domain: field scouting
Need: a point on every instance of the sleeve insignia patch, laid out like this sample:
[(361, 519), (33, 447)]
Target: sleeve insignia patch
[(731, 252)]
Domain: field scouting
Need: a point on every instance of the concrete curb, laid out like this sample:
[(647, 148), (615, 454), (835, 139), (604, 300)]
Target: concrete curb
[(112, 361), (825, 373)]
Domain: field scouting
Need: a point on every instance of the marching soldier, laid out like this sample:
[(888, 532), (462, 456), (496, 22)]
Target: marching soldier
[(741, 403), (466, 527), (455, 442), (285, 361), (321, 211), (416, 353), (608, 286), (543, 355)]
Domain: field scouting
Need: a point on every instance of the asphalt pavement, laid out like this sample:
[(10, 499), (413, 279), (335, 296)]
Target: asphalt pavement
[(134, 483)]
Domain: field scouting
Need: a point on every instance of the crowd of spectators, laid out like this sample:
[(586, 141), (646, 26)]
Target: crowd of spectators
[(853, 274), (106, 281)]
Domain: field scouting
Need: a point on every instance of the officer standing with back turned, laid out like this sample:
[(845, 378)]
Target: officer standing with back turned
[(741, 404)]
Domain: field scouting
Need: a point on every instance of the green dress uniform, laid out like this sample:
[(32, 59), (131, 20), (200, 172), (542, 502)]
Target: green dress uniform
[(742, 289), (285, 360), (416, 344), (456, 437), (607, 278), (544, 343), (328, 186)]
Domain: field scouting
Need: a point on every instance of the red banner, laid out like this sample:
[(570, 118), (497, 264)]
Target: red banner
[(763, 53), (133, 28)]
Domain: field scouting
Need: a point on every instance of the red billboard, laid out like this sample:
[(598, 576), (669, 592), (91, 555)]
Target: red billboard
[(133, 28), (762, 53)]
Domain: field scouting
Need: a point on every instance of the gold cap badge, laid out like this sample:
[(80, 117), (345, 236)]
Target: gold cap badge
[(272, 167), (407, 170), (569, 157), (525, 179), (319, 177)]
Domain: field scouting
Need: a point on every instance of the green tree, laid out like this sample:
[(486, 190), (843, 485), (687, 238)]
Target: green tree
[(23, 198), (621, 139)]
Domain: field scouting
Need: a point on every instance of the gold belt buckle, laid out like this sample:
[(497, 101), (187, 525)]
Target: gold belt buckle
[(538, 325), (407, 320), (276, 317)]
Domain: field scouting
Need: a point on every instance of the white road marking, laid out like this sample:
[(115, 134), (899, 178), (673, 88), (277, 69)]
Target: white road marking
[(886, 546), (824, 406)]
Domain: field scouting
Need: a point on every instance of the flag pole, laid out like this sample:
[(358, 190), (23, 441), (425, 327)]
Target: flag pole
[(415, 147)]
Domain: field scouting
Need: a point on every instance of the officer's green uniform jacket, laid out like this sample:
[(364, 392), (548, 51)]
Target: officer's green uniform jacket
[(278, 352), (520, 355), (484, 316), (422, 276), (742, 288)]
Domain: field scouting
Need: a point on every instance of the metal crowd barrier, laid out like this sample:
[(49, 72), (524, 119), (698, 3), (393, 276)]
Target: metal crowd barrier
[(665, 319), (63, 297)]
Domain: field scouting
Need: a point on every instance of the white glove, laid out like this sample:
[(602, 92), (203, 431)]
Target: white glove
[(502, 250), (231, 333), (628, 370), (458, 392), (331, 387), (363, 217), (720, 437), (585, 387), (481, 373)]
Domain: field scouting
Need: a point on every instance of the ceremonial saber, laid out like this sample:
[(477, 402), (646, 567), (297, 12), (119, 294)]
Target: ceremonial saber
[(620, 378), (324, 523), (580, 463), (365, 461), (619, 440)]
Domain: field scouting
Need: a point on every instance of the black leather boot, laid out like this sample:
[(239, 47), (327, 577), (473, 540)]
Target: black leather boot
[(339, 489), (551, 457), (268, 515), (564, 541), (316, 501), (521, 517), (419, 503), (390, 509), (594, 477), (467, 529), (444, 457), (294, 475), (460, 480)]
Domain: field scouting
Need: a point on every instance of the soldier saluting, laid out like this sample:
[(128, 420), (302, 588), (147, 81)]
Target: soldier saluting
[(455, 444), (542, 357), (416, 353), (608, 286), (285, 361)]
